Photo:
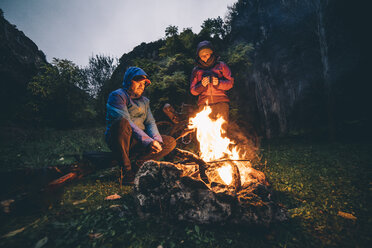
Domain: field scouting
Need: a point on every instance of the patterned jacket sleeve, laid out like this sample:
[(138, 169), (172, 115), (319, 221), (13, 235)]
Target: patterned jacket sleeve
[(117, 109), (150, 125)]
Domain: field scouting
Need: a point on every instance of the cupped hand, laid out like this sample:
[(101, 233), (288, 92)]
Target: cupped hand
[(156, 146), (205, 81)]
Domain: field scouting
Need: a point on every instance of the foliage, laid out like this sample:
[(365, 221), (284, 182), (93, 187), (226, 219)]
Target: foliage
[(172, 46), (239, 56), (98, 72), (170, 82), (214, 27), (171, 31), (314, 181), (172, 89), (188, 40), (58, 95)]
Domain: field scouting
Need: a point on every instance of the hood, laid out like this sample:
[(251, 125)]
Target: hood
[(203, 44), (211, 61), (130, 73)]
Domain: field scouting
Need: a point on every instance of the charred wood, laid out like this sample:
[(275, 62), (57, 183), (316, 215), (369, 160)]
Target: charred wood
[(194, 158)]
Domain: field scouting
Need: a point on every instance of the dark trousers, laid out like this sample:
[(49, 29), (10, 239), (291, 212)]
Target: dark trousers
[(123, 143)]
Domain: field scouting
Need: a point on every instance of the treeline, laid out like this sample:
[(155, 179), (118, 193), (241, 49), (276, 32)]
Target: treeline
[(65, 95)]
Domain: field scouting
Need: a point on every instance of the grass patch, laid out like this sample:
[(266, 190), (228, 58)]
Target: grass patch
[(315, 181), (48, 147)]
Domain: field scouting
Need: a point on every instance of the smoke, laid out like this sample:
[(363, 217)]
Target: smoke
[(248, 143)]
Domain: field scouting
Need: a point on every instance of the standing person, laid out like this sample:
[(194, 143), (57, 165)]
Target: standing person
[(131, 128), (210, 80)]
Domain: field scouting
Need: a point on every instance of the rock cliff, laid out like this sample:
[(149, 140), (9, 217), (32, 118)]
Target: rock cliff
[(308, 65), (19, 60)]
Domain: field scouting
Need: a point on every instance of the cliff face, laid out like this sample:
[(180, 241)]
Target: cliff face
[(307, 63), (19, 60)]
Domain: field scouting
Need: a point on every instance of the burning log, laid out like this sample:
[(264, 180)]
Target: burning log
[(191, 156), (203, 166), (236, 177), (194, 158)]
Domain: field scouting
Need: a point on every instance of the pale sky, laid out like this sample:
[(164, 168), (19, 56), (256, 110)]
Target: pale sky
[(78, 29)]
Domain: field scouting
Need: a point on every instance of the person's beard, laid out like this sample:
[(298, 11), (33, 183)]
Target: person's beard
[(135, 93)]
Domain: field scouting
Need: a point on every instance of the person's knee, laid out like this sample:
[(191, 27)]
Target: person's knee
[(172, 143), (169, 142)]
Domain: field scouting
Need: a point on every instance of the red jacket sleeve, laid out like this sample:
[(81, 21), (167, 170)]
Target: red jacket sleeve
[(226, 82), (196, 86)]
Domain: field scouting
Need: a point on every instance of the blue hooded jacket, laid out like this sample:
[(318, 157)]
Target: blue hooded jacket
[(136, 111)]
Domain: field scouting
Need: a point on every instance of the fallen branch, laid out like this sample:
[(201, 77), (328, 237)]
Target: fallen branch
[(63, 180), (185, 132)]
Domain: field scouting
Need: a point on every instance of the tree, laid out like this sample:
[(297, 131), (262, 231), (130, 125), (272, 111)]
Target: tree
[(173, 44), (239, 57), (58, 95), (171, 31), (98, 72), (188, 40), (214, 27)]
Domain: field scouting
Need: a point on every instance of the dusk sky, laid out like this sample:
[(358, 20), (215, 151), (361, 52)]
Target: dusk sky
[(78, 29)]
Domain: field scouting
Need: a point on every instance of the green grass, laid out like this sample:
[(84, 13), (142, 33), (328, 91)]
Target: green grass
[(38, 149), (313, 180)]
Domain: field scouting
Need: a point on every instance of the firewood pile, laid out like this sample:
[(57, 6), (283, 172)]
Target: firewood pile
[(193, 191)]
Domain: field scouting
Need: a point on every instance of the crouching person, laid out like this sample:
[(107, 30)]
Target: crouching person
[(131, 130)]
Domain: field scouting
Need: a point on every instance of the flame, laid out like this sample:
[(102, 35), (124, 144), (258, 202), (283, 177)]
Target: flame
[(213, 146), (225, 173)]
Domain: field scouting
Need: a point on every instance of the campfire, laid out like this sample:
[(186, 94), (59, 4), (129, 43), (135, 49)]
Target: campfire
[(218, 185), (216, 147)]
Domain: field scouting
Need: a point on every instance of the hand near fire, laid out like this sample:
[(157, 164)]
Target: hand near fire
[(205, 81), (155, 147)]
